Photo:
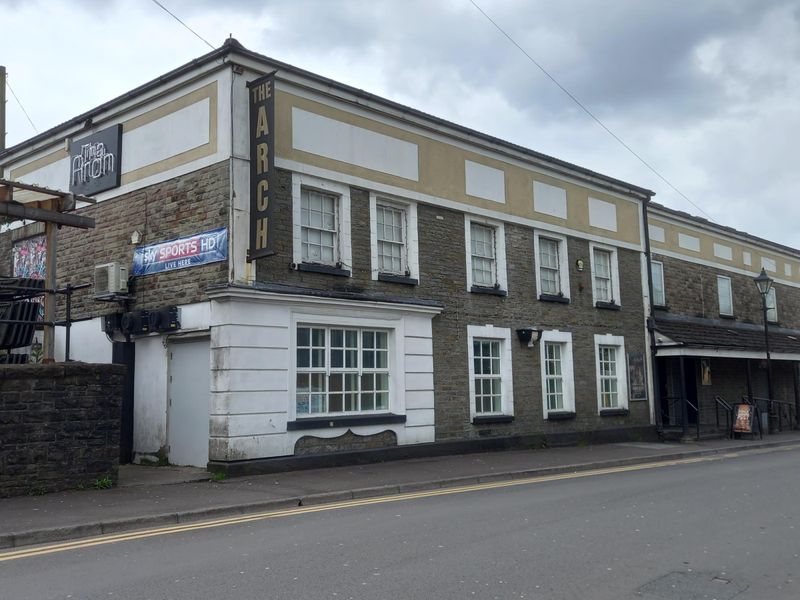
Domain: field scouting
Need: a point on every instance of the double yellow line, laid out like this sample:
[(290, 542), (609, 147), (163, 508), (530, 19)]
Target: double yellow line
[(303, 510)]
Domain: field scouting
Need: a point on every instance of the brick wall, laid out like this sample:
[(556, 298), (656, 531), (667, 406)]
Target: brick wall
[(443, 278), (691, 289), (187, 205), (59, 426)]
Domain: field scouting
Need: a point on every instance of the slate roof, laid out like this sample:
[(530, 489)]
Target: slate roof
[(736, 336)]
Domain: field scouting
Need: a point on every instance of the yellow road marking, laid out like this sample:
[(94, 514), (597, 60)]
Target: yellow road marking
[(302, 510)]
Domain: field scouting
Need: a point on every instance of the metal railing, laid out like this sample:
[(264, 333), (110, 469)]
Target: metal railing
[(780, 410)]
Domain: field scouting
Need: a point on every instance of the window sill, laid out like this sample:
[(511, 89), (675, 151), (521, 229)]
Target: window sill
[(326, 269), (344, 421), (663, 307), (402, 279), (492, 419), (728, 317), (607, 305), (553, 298), (488, 291), (561, 415), (614, 412)]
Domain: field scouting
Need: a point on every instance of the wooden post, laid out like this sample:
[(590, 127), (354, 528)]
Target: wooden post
[(49, 346)]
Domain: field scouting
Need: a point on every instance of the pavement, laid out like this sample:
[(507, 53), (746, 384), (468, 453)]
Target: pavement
[(157, 496)]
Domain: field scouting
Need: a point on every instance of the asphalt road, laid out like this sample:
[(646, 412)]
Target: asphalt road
[(712, 529)]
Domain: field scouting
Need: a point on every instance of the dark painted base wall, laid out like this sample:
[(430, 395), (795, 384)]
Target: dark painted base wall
[(59, 426)]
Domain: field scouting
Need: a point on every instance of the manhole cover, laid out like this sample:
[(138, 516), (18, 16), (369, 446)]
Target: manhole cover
[(692, 586)]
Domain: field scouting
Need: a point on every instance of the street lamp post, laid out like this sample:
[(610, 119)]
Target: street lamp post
[(764, 284)]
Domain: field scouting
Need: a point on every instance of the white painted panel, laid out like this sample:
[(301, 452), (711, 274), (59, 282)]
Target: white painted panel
[(251, 337), (421, 416), (54, 175), (419, 381), (150, 396), (419, 399), (787, 269), (417, 435), (254, 401), (251, 358), (689, 242), (747, 258), (250, 380), (419, 345), (485, 182), (550, 199), (168, 136), (657, 233), (602, 214), (195, 316), (255, 424), (418, 326), (724, 252), (768, 264), (419, 364), (354, 145)]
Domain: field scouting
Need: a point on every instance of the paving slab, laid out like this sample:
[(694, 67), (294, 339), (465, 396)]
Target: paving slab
[(148, 496)]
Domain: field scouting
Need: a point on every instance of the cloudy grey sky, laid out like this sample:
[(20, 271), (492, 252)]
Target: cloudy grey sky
[(706, 91)]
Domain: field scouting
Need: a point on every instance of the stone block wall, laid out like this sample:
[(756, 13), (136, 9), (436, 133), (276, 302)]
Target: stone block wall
[(442, 277), (59, 426), (174, 208), (691, 289)]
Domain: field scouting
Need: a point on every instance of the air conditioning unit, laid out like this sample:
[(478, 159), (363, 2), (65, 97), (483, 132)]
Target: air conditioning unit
[(110, 278)]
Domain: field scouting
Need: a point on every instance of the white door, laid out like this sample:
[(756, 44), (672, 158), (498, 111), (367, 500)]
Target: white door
[(188, 403)]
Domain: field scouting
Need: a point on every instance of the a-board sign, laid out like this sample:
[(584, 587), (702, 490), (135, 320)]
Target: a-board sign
[(743, 418)]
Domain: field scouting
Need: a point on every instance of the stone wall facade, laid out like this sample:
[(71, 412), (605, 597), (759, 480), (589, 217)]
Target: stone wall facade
[(171, 209), (691, 289), (442, 278), (59, 426)]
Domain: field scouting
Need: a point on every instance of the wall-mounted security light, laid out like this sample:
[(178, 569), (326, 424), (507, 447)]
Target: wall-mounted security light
[(136, 237), (579, 265), (529, 336)]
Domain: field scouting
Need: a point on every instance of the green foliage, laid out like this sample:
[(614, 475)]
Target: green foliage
[(219, 476), (103, 483)]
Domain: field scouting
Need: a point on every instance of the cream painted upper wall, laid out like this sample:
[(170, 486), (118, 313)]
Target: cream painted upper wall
[(164, 137), (714, 249), (442, 171)]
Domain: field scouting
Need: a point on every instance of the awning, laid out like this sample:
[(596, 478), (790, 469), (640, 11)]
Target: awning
[(703, 337)]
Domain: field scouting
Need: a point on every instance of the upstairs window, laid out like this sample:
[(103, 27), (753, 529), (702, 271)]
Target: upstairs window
[(725, 295), (552, 273), (486, 257), (772, 306), (659, 294), (391, 234), (605, 276), (319, 227)]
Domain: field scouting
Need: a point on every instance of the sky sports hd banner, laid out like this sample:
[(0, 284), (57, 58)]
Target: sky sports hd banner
[(200, 249)]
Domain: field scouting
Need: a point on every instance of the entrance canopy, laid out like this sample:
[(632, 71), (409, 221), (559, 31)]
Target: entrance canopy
[(688, 336)]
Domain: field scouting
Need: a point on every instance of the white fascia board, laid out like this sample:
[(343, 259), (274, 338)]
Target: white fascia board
[(712, 353), (256, 295)]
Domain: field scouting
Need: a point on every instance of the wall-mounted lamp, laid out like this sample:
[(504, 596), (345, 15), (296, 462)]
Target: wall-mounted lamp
[(529, 336), (136, 237), (579, 265)]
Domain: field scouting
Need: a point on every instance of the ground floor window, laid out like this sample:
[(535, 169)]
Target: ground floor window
[(612, 387), (341, 370), (558, 385), (490, 384)]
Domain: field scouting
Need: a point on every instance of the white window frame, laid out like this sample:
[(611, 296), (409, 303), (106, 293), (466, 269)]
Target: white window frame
[(503, 335), (567, 369), (397, 403), (563, 261), (661, 281), (344, 242), (499, 250), (772, 305), (614, 266), (622, 370), (411, 242), (724, 282)]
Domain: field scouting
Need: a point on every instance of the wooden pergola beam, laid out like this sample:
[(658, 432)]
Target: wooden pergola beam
[(20, 211)]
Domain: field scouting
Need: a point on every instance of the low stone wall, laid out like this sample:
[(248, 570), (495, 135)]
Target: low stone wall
[(59, 426)]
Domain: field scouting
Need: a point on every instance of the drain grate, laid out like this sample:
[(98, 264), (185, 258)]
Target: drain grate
[(694, 585)]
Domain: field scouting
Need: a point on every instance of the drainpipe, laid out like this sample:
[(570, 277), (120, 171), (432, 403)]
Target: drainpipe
[(651, 321), (2, 111)]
